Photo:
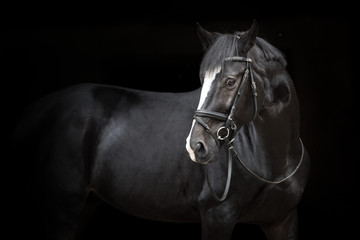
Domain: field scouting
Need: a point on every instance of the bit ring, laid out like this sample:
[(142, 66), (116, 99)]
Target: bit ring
[(221, 136)]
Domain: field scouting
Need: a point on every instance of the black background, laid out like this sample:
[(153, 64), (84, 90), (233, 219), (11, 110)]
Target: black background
[(156, 48)]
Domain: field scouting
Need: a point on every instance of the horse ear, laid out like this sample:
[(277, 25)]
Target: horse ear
[(249, 36), (206, 38)]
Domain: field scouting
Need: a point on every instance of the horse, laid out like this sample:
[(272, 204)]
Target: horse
[(155, 155)]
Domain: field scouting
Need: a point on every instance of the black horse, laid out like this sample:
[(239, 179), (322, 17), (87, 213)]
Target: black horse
[(127, 147)]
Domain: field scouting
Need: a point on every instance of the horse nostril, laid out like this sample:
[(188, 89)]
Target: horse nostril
[(199, 145), (200, 150)]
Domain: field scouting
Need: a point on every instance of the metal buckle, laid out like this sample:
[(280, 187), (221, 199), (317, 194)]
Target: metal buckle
[(218, 132)]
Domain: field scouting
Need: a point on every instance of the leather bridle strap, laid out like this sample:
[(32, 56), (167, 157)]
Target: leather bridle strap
[(246, 74), (231, 154), (228, 179), (223, 133), (212, 114)]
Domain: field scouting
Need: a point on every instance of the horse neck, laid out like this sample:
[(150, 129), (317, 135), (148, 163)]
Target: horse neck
[(270, 144)]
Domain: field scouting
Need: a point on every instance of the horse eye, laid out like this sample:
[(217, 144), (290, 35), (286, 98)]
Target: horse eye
[(230, 82)]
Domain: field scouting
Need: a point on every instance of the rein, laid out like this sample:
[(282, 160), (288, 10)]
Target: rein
[(227, 132)]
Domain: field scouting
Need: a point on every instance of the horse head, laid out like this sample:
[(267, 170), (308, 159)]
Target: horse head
[(229, 93)]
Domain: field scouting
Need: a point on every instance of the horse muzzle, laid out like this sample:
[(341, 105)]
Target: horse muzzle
[(203, 147)]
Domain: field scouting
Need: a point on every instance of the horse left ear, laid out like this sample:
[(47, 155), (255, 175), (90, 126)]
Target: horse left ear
[(249, 37), (206, 38)]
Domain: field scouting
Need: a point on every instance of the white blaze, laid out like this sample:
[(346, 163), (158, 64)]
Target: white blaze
[(208, 80)]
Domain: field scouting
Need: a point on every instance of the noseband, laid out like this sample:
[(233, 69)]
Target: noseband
[(229, 129)]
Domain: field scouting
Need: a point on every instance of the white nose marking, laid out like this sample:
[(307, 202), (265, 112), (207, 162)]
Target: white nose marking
[(188, 148), (208, 80)]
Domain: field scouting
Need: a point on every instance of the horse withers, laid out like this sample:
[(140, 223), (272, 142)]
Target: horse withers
[(139, 151)]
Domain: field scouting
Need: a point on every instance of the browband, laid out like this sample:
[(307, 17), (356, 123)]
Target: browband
[(240, 59)]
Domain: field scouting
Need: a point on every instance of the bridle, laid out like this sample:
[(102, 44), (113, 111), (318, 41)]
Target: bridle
[(229, 129), (227, 132)]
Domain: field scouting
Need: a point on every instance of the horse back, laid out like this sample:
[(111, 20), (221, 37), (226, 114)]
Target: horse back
[(69, 137), (65, 124)]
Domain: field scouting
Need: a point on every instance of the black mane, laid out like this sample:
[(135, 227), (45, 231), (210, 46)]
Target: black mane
[(225, 46)]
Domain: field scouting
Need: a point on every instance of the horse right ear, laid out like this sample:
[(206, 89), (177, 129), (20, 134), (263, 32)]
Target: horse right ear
[(206, 38), (249, 37)]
